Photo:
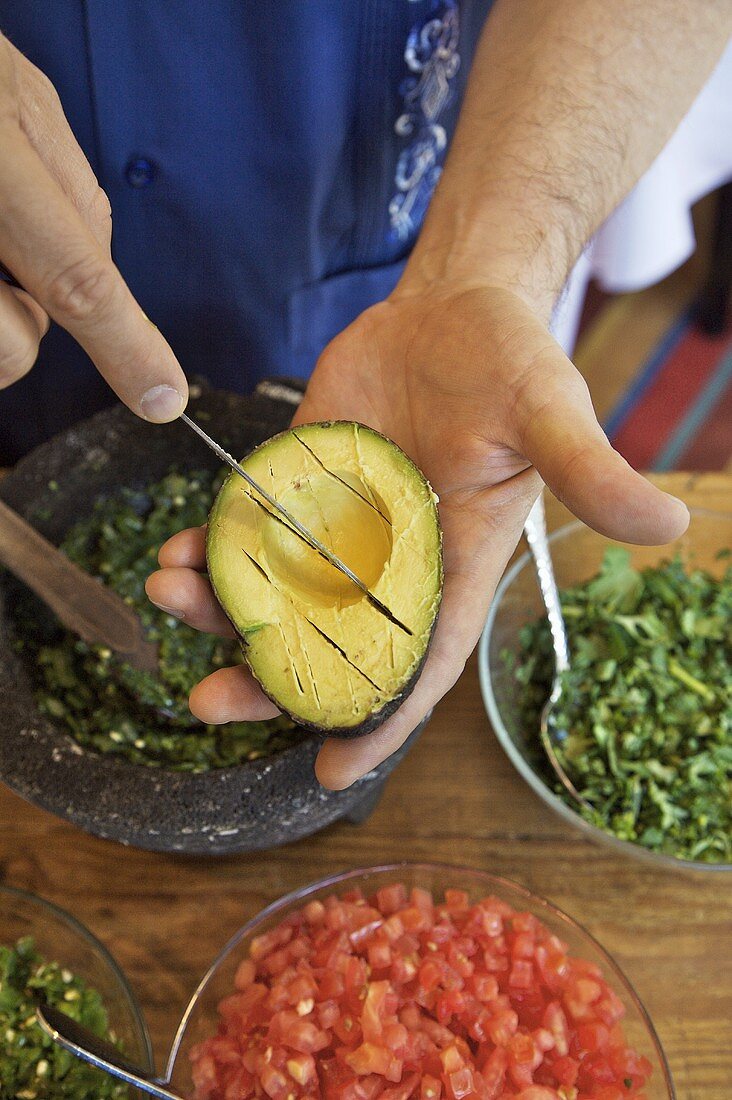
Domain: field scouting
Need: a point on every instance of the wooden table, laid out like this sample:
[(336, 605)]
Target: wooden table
[(455, 798)]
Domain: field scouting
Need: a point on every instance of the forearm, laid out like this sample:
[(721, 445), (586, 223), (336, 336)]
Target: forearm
[(568, 103)]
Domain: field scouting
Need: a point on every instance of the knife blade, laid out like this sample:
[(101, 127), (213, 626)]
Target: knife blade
[(294, 524)]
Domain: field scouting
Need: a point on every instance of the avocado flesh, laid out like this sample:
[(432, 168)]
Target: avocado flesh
[(316, 644)]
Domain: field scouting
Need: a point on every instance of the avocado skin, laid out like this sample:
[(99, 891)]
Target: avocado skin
[(377, 718)]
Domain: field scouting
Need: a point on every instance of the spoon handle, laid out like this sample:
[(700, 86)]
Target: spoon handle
[(535, 532), (87, 1046)]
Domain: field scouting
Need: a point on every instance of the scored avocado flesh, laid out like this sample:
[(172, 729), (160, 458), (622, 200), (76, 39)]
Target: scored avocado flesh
[(317, 645)]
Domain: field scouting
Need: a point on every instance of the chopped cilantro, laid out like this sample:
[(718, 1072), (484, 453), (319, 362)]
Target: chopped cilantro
[(104, 703), (646, 707)]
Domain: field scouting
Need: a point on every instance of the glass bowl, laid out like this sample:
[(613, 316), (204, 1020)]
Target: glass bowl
[(577, 553), (59, 937), (200, 1019)]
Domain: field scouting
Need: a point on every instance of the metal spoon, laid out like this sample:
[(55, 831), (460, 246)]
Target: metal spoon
[(535, 532), (87, 1046)]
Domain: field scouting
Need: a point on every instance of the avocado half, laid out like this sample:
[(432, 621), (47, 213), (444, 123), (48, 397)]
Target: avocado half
[(319, 648)]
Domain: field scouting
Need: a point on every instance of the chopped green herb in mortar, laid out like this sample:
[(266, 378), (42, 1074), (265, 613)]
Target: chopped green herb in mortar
[(103, 702), (32, 1066), (647, 703)]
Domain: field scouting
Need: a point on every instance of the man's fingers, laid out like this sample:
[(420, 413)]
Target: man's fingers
[(560, 435), (187, 595), (186, 549), (22, 325), (54, 255), (231, 695)]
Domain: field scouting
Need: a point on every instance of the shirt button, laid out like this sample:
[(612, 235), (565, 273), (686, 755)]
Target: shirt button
[(140, 172)]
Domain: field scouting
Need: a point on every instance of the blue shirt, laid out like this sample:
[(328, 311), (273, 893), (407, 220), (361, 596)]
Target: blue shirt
[(268, 165)]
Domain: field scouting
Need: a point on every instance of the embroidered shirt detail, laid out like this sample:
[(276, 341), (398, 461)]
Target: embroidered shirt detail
[(431, 54)]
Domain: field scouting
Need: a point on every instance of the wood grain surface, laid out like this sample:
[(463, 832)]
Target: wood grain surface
[(456, 798)]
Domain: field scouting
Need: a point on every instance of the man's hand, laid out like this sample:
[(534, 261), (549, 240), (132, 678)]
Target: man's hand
[(55, 234), (469, 383), (566, 106)]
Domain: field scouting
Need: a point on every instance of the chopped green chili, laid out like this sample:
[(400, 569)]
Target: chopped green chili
[(32, 1066), (646, 705), (107, 705)]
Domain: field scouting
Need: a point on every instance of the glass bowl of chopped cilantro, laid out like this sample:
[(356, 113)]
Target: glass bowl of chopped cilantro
[(46, 954), (646, 707)]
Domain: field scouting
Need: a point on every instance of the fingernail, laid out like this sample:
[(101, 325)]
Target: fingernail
[(173, 611), (161, 404)]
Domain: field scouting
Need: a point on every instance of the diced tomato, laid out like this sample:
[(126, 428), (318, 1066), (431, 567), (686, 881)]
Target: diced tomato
[(565, 1070), (502, 1027), (274, 1083), (314, 913), (430, 1088), (522, 1059), (593, 1036), (524, 945), (406, 997), (245, 974), (416, 919), (579, 996), (493, 1072), (484, 986), (456, 900), (331, 986), (301, 1067), (347, 1030), (422, 899), (403, 1090), (452, 1060), (521, 975), (556, 1022), (393, 928), (369, 1058), (461, 1083), (374, 1010), (403, 969), (328, 1013), (379, 955), (491, 920), (389, 899), (355, 974), (303, 1036), (448, 1005)]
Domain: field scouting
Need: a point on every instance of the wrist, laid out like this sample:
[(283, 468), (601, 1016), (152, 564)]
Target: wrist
[(494, 244)]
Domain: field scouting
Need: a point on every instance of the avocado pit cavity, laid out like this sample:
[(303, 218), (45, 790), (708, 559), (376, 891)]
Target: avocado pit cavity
[(345, 514)]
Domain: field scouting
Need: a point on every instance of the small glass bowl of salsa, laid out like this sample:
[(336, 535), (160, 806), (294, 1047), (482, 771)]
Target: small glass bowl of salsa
[(61, 939)]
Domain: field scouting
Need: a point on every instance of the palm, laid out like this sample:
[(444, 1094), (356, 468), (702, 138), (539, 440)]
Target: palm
[(395, 370), (473, 388)]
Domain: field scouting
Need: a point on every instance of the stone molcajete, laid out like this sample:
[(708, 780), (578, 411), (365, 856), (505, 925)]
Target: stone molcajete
[(255, 805)]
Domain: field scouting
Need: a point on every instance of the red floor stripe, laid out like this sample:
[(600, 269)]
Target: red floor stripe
[(651, 423), (711, 448)]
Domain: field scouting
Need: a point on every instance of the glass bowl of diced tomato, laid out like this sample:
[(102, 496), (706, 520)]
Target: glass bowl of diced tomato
[(416, 981)]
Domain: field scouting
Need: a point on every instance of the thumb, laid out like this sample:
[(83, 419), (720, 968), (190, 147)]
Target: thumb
[(561, 437)]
